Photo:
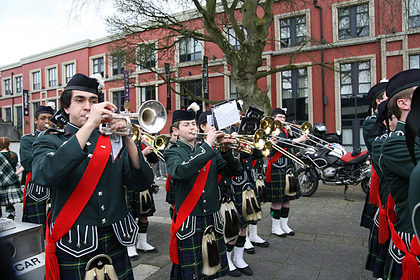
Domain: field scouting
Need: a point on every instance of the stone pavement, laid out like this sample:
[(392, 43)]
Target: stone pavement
[(328, 241)]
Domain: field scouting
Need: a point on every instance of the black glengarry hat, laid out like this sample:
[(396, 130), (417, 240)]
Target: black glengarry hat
[(82, 82), (403, 80), (185, 115), (375, 91), (277, 111), (203, 117), (44, 110)]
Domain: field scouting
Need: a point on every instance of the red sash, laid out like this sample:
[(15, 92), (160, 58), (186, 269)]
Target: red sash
[(410, 265), (374, 192), (75, 205), (28, 178), (168, 179), (273, 160), (185, 210)]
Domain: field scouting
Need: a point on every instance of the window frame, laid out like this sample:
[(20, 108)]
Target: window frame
[(277, 18), (92, 65), (407, 17), (119, 69), (148, 87), (294, 77), (409, 60), (48, 78), (154, 55), (64, 71), (19, 90), (7, 87), (32, 82), (5, 110), (371, 11), (195, 53)]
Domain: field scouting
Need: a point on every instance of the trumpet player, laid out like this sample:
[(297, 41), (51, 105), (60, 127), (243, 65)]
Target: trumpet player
[(281, 174), (87, 175), (35, 200), (197, 248), (142, 206)]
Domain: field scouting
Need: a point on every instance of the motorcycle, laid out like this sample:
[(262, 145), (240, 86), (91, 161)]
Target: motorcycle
[(334, 165)]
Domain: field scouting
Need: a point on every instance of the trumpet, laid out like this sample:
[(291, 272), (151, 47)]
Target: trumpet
[(268, 147), (151, 117), (270, 126), (159, 142)]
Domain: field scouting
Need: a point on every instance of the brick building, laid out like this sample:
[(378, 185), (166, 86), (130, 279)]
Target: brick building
[(365, 41)]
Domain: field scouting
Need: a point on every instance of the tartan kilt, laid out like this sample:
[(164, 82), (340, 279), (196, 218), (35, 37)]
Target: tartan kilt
[(72, 268), (392, 269), (10, 195), (35, 212), (368, 214), (190, 255), (134, 205), (237, 195), (170, 195), (376, 253), (275, 189)]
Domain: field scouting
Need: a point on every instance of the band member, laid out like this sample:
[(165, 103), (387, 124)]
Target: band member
[(396, 165), (139, 208), (279, 169), (197, 247), (35, 202), (87, 172), (170, 195), (10, 191)]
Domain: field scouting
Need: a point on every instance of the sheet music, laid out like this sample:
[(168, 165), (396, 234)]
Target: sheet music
[(226, 114)]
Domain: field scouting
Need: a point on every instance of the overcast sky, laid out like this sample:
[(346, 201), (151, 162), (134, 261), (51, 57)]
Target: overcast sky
[(29, 27)]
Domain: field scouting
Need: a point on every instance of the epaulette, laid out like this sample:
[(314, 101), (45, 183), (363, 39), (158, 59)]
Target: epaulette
[(171, 145), (397, 133), (29, 134), (53, 131), (371, 117)]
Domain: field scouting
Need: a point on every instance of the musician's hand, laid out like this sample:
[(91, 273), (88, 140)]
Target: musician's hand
[(303, 138), (273, 140), (96, 112), (147, 150), (288, 129), (212, 135)]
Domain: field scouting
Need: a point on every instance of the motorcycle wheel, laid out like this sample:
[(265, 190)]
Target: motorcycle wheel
[(308, 181), (365, 184)]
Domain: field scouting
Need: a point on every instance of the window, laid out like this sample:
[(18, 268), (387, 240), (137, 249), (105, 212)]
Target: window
[(8, 113), (98, 66), (19, 118), (193, 87), (52, 77), (118, 100), (233, 40), (7, 87), (293, 31), (36, 80), (233, 91), (353, 22), (355, 82), (413, 13), (189, 50), (69, 71), (19, 84), (295, 94), (146, 56), (415, 61), (148, 93), (35, 106), (118, 65)]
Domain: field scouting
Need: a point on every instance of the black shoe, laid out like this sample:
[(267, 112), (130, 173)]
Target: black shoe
[(249, 251), (154, 250), (291, 233), (281, 235), (246, 271), (263, 244), (234, 273), (134, 258)]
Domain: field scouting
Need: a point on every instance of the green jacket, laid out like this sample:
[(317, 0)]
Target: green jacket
[(396, 165), (184, 162), (25, 150), (59, 163), (376, 155), (367, 125)]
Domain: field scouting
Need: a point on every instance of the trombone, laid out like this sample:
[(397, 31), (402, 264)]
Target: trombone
[(159, 142), (269, 146), (306, 128)]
